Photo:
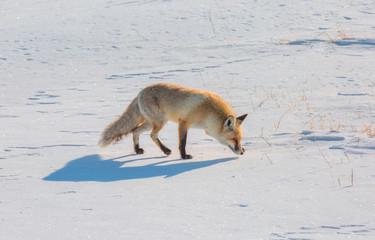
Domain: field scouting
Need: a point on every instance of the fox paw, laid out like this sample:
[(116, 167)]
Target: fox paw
[(187, 156), (167, 151), (140, 151)]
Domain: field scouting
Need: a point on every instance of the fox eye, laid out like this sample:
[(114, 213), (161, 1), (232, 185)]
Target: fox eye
[(235, 140)]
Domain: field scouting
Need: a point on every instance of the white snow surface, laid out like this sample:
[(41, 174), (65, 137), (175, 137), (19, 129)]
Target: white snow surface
[(304, 71)]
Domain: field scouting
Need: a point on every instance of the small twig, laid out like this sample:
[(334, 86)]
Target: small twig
[(323, 155), (212, 25), (311, 120), (346, 155), (251, 99), (370, 132), (267, 157), (300, 147), (202, 79), (278, 124), (266, 140), (352, 178), (262, 102), (333, 180), (144, 38)]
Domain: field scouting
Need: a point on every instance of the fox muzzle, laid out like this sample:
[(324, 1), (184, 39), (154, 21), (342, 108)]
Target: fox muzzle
[(237, 150)]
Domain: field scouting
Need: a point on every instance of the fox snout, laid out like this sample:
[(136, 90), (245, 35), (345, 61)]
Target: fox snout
[(237, 150)]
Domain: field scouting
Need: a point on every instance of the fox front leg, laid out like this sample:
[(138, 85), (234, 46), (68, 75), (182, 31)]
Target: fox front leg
[(182, 133)]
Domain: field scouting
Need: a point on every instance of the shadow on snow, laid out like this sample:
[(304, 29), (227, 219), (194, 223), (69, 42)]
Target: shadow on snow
[(94, 168), (345, 42)]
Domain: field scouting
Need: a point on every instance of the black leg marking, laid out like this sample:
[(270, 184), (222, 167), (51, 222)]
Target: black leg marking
[(138, 150), (136, 132), (182, 147), (166, 150)]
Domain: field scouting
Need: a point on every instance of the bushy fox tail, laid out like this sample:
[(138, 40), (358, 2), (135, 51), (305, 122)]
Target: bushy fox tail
[(129, 120)]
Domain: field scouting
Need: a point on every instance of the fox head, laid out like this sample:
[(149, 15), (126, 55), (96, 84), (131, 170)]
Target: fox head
[(231, 134)]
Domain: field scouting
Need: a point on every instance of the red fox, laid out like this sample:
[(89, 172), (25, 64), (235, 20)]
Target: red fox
[(190, 108)]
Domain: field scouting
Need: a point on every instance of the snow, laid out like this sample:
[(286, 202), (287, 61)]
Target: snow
[(303, 70)]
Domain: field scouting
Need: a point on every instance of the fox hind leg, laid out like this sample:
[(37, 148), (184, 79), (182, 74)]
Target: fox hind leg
[(146, 126), (156, 127)]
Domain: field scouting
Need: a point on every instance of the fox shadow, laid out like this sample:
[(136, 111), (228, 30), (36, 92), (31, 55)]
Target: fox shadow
[(94, 168)]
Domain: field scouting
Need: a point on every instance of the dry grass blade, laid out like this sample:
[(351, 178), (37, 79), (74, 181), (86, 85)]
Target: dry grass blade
[(266, 140), (212, 25), (323, 155), (346, 155), (267, 157), (352, 178), (370, 132), (278, 124), (144, 38), (252, 103), (343, 35), (262, 102)]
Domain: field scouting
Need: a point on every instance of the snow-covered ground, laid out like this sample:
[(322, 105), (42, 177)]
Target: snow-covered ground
[(303, 70)]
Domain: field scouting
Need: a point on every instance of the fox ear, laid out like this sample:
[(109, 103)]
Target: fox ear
[(229, 123), (241, 118)]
